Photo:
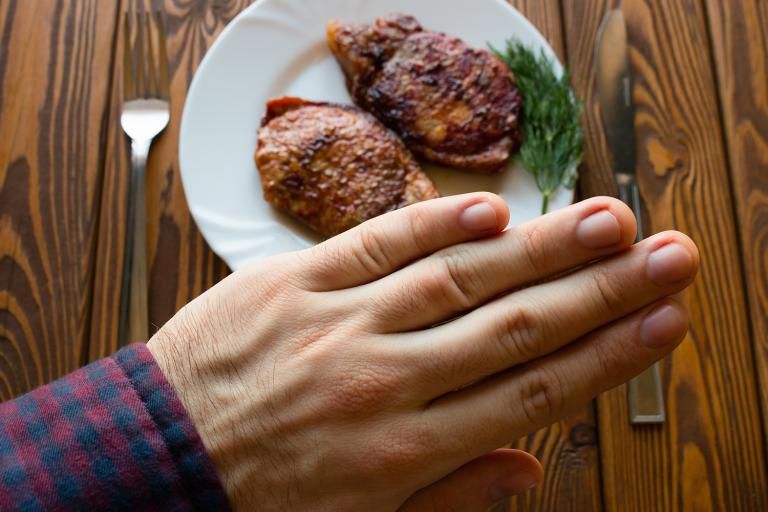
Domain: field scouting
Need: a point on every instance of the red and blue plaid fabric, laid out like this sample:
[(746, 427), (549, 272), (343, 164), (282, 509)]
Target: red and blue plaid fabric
[(110, 436)]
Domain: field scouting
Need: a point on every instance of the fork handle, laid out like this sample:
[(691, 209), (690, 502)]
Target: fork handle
[(134, 321)]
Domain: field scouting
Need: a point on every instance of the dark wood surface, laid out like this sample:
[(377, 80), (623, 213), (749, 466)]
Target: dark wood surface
[(740, 50), (55, 73), (700, 69)]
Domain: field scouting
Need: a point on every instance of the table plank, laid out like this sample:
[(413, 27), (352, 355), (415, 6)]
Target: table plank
[(55, 64), (709, 455), (568, 448), (181, 265), (739, 35), (110, 239)]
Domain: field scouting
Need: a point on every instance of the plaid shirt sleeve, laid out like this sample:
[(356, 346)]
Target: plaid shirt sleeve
[(110, 436)]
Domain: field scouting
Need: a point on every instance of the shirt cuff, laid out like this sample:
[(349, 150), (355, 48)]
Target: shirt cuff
[(110, 436)]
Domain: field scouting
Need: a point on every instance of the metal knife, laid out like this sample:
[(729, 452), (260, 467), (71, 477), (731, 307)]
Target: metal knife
[(614, 91)]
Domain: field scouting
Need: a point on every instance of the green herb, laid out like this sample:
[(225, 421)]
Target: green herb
[(551, 126)]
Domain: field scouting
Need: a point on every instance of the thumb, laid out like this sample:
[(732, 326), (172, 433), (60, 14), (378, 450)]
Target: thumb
[(479, 484)]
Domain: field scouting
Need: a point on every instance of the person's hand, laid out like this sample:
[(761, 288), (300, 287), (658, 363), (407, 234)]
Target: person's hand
[(382, 369)]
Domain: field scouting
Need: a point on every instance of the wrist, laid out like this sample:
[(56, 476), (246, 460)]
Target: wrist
[(189, 379)]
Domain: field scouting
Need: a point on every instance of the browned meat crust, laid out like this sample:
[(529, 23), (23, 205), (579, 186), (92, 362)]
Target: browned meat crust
[(334, 166), (450, 103)]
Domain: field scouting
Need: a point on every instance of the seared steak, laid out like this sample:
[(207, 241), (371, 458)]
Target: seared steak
[(334, 166), (450, 103)]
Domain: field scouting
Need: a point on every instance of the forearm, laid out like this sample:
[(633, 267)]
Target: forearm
[(110, 436)]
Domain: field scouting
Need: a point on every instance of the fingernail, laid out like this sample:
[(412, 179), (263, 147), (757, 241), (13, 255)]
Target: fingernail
[(664, 325), (599, 230), (479, 217), (669, 264), (517, 483)]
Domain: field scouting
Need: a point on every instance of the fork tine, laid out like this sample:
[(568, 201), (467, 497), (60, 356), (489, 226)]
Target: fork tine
[(165, 88), (141, 81), (129, 91), (151, 68)]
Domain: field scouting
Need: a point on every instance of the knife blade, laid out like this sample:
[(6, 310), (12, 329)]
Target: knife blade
[(614, 93)]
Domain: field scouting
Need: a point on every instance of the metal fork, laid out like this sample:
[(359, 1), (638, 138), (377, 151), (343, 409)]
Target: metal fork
[(145, 114)]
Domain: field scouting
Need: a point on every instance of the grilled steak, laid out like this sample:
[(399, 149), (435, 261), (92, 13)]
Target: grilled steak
[(450, 103), (334, 166)]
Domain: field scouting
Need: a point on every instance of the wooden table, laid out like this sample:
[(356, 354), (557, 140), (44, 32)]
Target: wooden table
[(701, 75)]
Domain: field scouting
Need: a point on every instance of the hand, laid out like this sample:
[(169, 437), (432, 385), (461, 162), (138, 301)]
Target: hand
[(382, 369)]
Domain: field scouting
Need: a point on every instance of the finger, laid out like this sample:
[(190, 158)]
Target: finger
[(536, 321), (384, 244), (536, 394), (479, 484), (463, 276)]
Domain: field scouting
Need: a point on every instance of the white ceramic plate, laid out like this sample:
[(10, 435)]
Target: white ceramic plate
[(278, 47)]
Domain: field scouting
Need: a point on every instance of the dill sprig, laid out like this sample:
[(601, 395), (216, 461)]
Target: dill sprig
[(551, 126)]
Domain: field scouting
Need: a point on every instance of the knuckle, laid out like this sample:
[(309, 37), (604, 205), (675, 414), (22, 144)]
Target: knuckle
[(370, 251), (419, 228), (534, 245), (610, 360), (457, 279), (607, 293), (516, 336), (407, 299), (320, 261), (541, 395)]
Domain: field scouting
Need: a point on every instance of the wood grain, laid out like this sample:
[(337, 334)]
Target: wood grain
[(55, 69), (181, 265), (709, 455), (701, 75), (739, 35), (568, 448)]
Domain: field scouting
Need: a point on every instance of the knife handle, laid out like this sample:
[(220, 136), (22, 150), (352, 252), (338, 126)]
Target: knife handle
[(646, 400), (630, 195)]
